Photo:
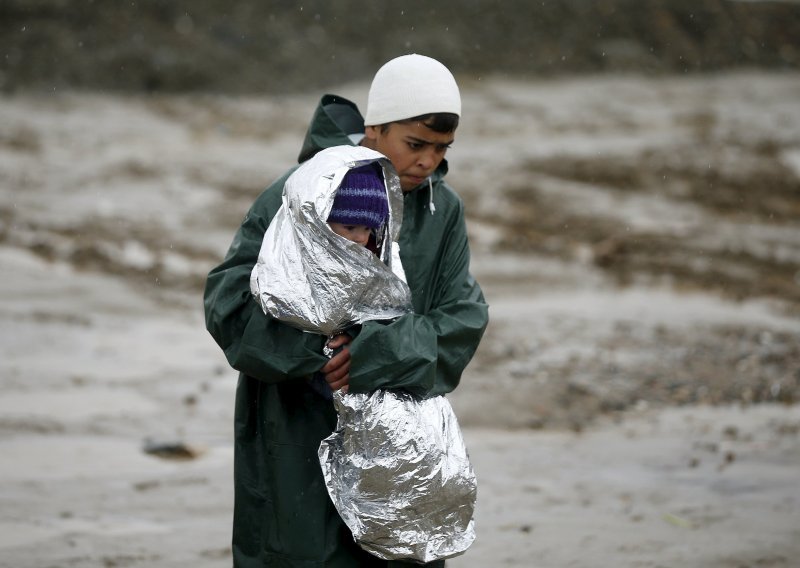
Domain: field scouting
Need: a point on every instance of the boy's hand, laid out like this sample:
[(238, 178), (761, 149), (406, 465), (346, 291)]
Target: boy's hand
[(337, 370)]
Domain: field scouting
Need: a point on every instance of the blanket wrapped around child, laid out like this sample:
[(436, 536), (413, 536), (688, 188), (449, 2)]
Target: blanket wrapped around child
[(396, 467)]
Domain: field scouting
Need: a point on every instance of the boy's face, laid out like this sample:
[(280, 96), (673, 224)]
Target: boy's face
[(356, 233), (414, 149)]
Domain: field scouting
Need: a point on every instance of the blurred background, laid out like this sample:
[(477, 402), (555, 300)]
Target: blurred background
[(279, 46)]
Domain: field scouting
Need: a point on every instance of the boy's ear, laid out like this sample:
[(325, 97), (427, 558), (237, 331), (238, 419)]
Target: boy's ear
[(371, 133)]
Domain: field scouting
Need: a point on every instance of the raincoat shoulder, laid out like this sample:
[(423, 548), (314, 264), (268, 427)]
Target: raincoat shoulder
[(253, 343)]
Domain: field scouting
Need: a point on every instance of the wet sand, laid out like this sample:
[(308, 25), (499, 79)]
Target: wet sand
[(633, 402)]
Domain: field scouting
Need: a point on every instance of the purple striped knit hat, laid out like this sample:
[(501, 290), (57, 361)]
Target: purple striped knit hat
[(361, 199)]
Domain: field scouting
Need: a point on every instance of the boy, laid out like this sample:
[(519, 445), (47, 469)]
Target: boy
[(282, 513)]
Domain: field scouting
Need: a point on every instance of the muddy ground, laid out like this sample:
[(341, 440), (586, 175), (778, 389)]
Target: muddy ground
[(634, 402)]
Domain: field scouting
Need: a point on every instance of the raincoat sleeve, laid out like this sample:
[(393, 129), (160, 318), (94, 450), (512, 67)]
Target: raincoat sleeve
[(254, 343), (425, 353)]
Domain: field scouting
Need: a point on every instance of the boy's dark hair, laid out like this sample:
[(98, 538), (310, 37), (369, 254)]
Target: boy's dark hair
[(442, 122)]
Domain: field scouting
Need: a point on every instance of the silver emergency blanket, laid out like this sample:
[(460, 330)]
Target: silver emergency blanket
[(311, 278), (396, 467), (398, 472)]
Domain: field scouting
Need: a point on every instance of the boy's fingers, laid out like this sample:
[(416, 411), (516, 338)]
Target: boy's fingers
[(339, 340), (342, 358), (338, 373), (337, 370), (340, 384)]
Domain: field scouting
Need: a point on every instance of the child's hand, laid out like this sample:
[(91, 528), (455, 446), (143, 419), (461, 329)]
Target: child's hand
[(337, 370)]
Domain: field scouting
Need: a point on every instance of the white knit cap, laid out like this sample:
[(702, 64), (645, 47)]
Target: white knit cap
[(409, 86)]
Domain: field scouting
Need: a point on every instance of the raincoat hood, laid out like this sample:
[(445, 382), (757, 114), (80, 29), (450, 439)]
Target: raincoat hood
[(336, 122), (315, 280)]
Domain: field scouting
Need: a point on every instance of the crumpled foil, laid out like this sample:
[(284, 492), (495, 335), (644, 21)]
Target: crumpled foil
[(398, 472), (396, 467), (313, 279)]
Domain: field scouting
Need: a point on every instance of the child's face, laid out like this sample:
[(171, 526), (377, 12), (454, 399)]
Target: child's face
[(356, 233)]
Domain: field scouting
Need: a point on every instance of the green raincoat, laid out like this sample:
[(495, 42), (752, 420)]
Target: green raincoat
[(282, 514)]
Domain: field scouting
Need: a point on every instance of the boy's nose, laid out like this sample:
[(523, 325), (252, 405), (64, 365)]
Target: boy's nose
[(426, 161)]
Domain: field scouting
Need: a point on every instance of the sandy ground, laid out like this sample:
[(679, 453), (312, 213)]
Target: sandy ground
[(632, 405)]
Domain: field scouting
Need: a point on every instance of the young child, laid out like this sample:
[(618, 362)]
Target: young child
[(360, 208), (311, 278)]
